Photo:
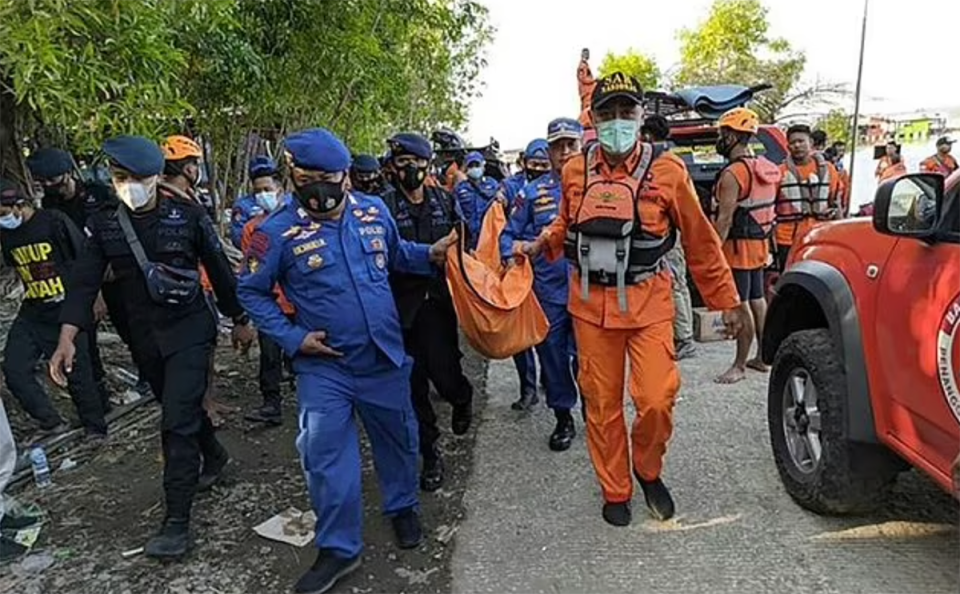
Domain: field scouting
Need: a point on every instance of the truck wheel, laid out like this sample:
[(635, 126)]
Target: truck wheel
[(806, 411)]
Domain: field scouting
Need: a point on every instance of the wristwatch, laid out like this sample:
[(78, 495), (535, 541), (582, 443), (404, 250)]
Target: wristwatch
[(241, 320)]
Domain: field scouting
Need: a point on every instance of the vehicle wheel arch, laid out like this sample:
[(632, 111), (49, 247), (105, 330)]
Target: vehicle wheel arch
[(813, 294)]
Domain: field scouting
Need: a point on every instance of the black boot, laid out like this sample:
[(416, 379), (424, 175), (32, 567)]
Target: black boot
[(658, 498), (431, 476), (171, 542), (564, 432), (269, 413), (407, 527), (617, 514), (325, 571), (212, 471), (526, 401), (462, 418)]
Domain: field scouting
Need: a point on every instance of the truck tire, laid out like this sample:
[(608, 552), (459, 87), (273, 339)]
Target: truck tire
[(806, 412)]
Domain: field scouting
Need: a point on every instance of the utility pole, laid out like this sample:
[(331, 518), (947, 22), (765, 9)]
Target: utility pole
[(856, 105)]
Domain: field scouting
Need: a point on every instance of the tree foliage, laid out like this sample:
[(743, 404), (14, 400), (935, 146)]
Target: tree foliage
[(634, 63), (82, 71), (732, 46), (837, 124)]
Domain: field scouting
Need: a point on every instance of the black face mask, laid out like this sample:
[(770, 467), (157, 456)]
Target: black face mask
[(320, 196), (723, 147), (411, 177), (533, 174), (369, 186)]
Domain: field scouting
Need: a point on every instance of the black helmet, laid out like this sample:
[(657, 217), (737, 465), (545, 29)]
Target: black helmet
[(447, 139)]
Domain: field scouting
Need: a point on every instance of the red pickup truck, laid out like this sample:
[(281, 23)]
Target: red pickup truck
[(863, 335)]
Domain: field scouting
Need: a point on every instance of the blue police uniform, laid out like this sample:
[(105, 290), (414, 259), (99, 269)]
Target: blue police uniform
[(512, 185), (335, 273), (536, 206), (475, 197), (525, 362), (246, 207)]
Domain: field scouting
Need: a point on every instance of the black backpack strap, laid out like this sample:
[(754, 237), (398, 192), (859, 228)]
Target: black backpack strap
[(132, 240)]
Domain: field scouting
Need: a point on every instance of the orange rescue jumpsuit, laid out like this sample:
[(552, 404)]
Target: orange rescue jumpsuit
[(585, 85), (944, 165), (894, 170), (644, 332)]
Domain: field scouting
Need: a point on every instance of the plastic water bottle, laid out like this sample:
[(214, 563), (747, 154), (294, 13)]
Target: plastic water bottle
[(41, 470)]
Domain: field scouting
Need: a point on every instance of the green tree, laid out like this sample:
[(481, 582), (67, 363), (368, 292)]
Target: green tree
[(836, 123), (636, 64), (733, 46), (77, 72)]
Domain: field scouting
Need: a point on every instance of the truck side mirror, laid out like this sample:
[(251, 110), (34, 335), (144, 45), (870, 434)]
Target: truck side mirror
[(909, 206)]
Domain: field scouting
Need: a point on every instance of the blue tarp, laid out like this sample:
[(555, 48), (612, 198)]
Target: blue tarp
[(712, 102)]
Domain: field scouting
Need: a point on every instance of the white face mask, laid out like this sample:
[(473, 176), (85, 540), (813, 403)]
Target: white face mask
[(136, 194)]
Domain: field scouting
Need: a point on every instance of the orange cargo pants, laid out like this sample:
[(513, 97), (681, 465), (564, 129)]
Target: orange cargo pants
[(654, 383)]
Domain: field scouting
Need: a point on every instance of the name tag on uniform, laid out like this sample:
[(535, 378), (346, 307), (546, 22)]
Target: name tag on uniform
[(308, 247), (372, 230)]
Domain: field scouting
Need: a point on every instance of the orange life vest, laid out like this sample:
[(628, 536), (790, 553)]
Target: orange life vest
[(756, 210), (804, 198), (606, 239)]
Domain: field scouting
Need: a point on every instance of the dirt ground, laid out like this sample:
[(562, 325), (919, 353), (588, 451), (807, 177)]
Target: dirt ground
[(112, 502)]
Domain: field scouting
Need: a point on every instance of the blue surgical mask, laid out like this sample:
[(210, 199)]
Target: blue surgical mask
[(267, 200), (475, 172), (10, 221), (618, 137)]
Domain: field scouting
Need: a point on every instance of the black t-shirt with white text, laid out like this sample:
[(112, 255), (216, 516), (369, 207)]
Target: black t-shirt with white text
[(42, 250)]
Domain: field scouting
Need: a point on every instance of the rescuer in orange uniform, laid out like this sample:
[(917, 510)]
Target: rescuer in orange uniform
[(808, 191), (585, 86), (622, 206), (743, 207), (941, 162)]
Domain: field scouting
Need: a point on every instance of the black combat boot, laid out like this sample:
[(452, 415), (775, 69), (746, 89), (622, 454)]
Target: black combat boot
[(617, 514), (269, 413), (431, 476), (325, 572), (658, 498), (462, 417), (171, 542), (407, 527), (564, 432)]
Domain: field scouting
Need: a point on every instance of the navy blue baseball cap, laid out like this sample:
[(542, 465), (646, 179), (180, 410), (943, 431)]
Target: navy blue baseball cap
[(564, 128), (262, 166), (408, 143), (317, 149), (10, 194), (48, 163), (474, 157), (138, 155), (537, 149), (366, 164)]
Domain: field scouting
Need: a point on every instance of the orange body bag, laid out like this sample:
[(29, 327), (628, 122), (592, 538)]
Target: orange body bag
[(496, 307)]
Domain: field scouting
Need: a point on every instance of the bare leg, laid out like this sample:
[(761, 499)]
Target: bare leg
[(758, 307), (737, 370)]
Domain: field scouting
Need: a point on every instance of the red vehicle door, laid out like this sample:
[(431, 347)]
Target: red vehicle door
[(918, 341)]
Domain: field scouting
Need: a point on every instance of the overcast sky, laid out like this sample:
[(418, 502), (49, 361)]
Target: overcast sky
[(531, 76)]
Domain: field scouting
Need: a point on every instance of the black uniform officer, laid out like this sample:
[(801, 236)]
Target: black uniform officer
[(173, 328), (63, 190), (42, 245), (425, 214), (365, 176)]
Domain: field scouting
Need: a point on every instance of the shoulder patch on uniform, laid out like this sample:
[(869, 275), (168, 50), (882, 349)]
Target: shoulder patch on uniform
[(259, 244)]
